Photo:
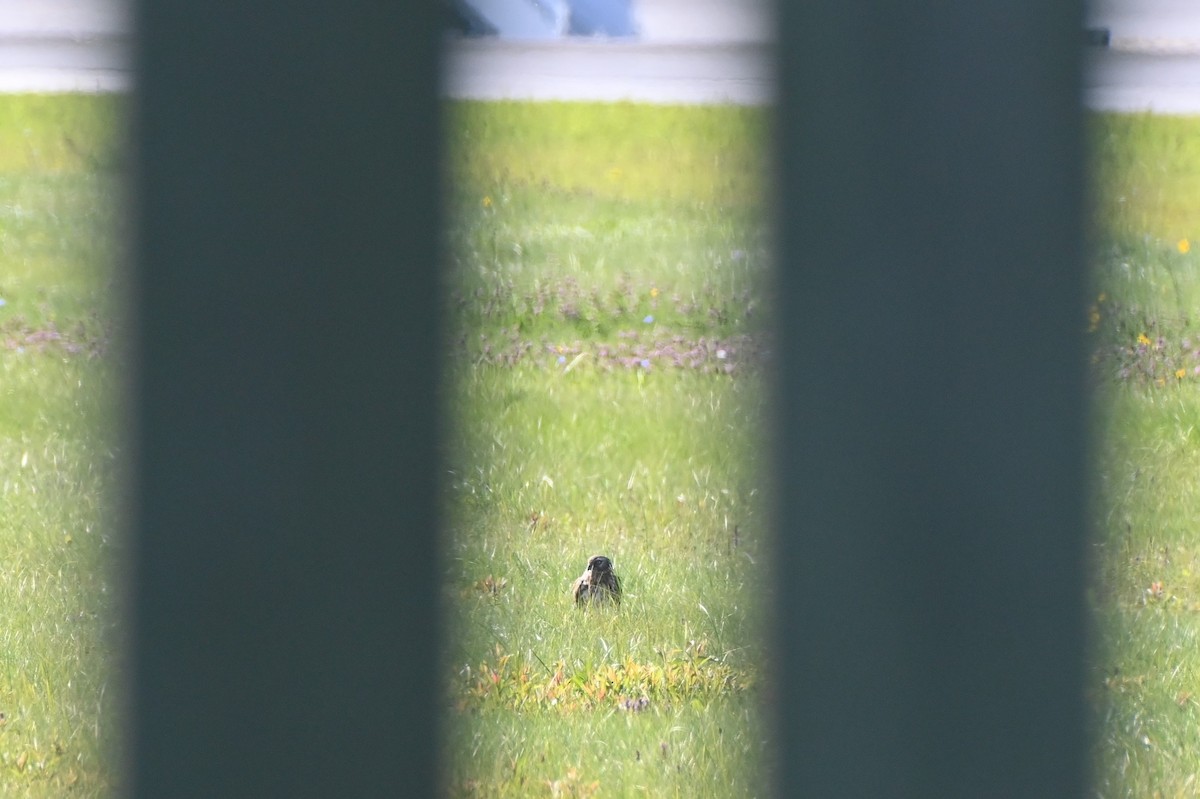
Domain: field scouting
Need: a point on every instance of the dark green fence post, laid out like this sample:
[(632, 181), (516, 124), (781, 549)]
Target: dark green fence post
[(930, 398), (286, 204)]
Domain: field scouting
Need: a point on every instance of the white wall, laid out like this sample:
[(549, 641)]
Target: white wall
[(704, 20)]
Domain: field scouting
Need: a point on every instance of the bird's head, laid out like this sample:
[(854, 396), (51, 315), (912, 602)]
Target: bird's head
[(599, 564)]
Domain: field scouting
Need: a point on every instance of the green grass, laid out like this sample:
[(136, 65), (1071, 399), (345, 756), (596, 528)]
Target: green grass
[(1146, 170), (1145, 682), (606, 277), (59, 453), (606, 280)]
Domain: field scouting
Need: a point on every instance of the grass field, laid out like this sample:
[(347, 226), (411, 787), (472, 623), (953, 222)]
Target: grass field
[(59, 376), (1145, 682), (606, 282), (607, 295)]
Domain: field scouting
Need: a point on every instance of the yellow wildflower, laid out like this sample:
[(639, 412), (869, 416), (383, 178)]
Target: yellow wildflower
[(1102, 298), (1143, 339), (1180, 374), (1184, 245), (654, 292), (1093, 319), (487, 201)]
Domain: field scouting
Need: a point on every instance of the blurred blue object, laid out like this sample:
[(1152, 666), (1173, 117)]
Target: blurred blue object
[(601, 18), (542, 19)]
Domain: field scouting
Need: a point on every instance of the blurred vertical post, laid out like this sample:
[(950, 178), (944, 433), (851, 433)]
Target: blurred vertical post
[(286, 209), (931, 403)]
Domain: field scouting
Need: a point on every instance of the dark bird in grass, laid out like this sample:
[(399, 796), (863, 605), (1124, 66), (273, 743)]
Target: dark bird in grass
[(598, 583)]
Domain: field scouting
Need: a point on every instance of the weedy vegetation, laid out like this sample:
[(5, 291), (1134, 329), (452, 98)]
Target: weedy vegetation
[(605, 385), (59, 376), (1143, 320)]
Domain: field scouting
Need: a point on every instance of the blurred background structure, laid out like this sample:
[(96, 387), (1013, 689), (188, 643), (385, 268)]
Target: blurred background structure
[(646, 20), (1152, 61), (64, 45), (706, 51), (662, 51)]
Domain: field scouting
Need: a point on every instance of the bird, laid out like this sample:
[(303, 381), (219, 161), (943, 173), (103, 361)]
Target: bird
[(598, 583)]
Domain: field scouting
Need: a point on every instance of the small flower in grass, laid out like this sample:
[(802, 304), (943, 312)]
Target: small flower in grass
[(645, 363), (562, 359), (1184, 246), (1143, 339), (654, 292), (649, 320), (1093, 318), (1155, 590), (1180, 374), (487, 201)]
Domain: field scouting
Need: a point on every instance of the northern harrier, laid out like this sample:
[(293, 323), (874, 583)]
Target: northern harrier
[(598, 583)]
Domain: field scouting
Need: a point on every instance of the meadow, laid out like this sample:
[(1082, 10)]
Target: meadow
[(1142, 315), (60, 460), (606, 284)]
